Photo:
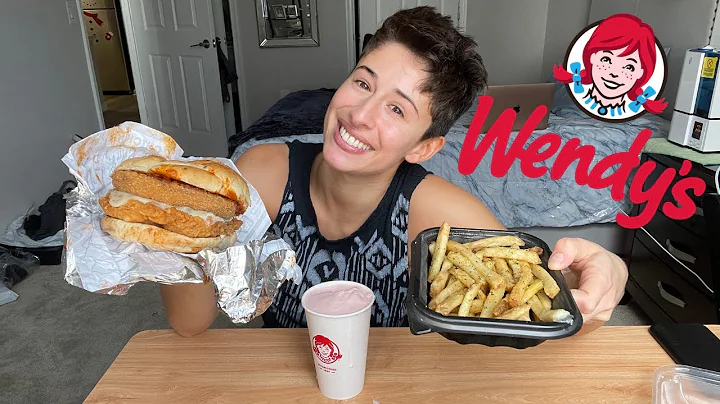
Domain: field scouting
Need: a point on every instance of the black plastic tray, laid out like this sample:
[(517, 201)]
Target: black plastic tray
[(483, 331)]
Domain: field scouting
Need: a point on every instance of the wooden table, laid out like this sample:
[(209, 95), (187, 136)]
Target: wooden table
[(609, 365)]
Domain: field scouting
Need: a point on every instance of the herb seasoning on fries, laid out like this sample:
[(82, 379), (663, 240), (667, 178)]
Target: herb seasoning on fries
[(493, 277)]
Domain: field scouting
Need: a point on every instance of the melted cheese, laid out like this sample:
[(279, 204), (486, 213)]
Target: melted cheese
[(119, 198)]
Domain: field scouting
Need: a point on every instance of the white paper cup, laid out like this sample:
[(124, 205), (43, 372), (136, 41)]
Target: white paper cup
[(339, 346)]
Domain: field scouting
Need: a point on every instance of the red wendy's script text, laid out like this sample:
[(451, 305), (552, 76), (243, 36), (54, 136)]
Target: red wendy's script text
[(548, 144)]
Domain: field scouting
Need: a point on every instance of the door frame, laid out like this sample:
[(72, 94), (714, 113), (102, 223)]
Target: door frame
[(97, 97), (132, 52)]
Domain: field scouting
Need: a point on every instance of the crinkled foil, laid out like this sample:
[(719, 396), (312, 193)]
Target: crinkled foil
[(246, 275)]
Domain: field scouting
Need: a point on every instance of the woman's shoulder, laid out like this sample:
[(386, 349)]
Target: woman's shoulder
[(266, 167)]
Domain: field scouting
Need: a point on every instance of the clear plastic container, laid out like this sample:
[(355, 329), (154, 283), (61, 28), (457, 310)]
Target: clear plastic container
[(675, 384)]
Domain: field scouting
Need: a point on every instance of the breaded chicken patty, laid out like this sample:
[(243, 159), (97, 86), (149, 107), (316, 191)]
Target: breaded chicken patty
[(171, 219), (174, 193)]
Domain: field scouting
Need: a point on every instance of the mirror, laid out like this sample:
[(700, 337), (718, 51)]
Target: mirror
[(287, 23)]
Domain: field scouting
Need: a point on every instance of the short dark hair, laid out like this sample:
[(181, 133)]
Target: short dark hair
[(457, 73)]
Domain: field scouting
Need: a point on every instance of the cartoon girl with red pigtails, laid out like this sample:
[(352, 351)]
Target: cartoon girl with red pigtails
[(325, 350), (615, 69)]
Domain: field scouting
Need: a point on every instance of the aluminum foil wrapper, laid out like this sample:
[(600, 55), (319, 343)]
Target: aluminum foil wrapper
[(246, 275)]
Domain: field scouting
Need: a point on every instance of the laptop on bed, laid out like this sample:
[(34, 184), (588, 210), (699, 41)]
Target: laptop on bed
[(524, 98)]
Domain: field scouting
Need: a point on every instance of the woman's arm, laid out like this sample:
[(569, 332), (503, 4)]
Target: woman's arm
[(192, 308)]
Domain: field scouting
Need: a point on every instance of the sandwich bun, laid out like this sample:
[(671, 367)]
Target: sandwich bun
[(156, 237)]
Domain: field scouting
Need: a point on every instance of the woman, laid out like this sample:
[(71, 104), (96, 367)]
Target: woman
[(349, 206)]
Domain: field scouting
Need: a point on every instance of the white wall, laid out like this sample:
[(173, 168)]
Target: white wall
[(270, 71), (45, 97), (511, 38), (565, 19)]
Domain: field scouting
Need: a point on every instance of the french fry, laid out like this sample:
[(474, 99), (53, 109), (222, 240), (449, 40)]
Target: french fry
[(511, 253), (550, 287), (516, 296), (453, 287), (491, 277), (497, 241), (476, 306), (463, 277), (451, 303), (516, 312), (502, 268), (440, 281), (537, 250), (558, 315), (536, 306), (468, 299), (544, 299), (501, 308), (531, 290), (515, 266), (463, 263), (480, 298), (439, 256), (492, 300)]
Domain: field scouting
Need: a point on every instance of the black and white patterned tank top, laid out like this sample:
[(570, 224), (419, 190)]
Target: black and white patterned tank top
[(374, 255)]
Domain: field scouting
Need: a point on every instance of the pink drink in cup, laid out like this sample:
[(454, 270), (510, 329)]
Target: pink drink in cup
[(338, 320)]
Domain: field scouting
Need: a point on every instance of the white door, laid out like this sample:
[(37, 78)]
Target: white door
[(372, 13), (178, 84)]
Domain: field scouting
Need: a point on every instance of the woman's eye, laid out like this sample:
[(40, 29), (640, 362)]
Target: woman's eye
[(397, 110), (630, 68), (605, 59), (363, 85)]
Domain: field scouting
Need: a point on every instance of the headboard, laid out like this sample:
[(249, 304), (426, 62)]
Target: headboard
[(678, 24)]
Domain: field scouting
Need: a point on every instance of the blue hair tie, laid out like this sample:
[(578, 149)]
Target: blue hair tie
[(641, 99), (577, 79)]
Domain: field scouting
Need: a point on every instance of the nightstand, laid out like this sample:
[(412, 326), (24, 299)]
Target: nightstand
[(658, 280)]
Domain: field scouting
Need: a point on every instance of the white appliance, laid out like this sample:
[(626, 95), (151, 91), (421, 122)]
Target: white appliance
[(106, 44), (696, 117)]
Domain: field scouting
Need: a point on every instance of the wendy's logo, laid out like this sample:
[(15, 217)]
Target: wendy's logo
[(615, 69), (325, 350)]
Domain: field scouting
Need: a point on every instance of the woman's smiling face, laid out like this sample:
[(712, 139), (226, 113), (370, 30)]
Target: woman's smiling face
[(614, 75), (379, 114)]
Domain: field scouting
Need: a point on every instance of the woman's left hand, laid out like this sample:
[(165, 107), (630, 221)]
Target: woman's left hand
[(597, 278)]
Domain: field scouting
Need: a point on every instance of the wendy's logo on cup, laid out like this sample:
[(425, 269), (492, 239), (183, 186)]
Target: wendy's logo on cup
[(615, 69), (325, 350)]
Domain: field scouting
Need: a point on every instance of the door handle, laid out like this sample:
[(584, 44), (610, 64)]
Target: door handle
[(205, 44)]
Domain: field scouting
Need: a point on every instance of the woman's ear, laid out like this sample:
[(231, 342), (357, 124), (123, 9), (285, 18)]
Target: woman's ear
[(425, 150)]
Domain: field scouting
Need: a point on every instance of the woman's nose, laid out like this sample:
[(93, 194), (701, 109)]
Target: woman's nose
[(363, 115), (613, 75)]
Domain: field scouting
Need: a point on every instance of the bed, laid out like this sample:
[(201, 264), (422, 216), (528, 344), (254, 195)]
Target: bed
[(546, 208)]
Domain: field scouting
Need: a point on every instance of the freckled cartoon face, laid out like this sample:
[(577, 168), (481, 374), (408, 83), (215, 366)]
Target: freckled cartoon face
[(324, 350), (615, 75)]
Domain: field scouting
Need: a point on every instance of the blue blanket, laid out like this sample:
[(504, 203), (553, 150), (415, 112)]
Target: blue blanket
[(516, 200)]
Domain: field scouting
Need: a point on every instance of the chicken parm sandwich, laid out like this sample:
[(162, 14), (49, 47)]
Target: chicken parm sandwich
[(180, 206)]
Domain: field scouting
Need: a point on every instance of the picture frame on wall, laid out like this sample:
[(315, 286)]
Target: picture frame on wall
[(291, 11), (278, 12), (285, 26)]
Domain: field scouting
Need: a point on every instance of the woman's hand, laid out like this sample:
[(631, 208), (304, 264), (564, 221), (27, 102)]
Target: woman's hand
[(597, 278)]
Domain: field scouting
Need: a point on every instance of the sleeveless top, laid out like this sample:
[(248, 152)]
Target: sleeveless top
[(374, 255)]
